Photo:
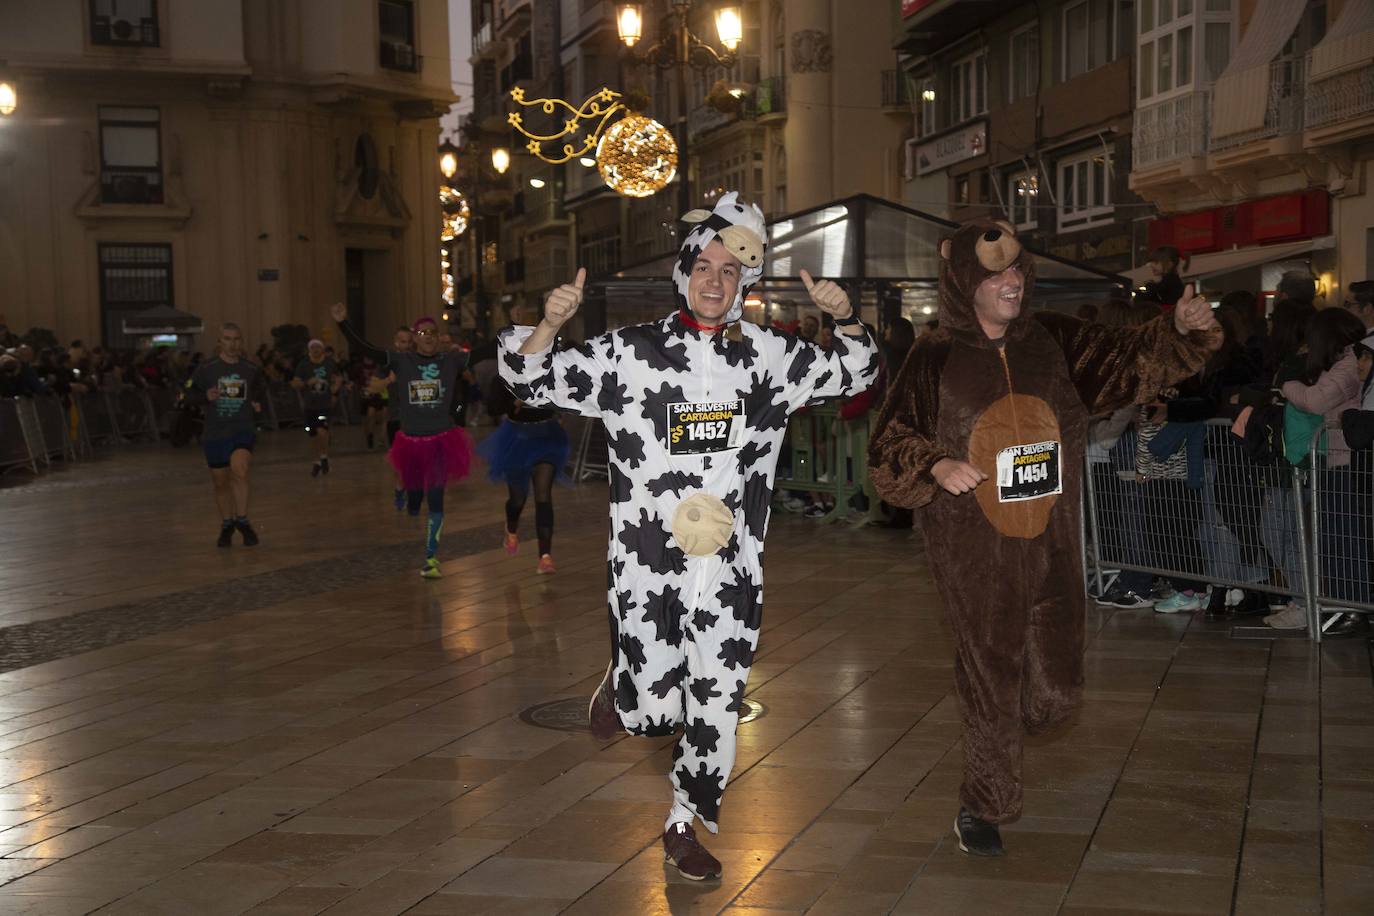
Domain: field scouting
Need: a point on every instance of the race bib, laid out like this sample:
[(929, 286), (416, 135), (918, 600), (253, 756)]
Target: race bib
[(1028, 472), (425, 392), (231, 388), (704, 427)]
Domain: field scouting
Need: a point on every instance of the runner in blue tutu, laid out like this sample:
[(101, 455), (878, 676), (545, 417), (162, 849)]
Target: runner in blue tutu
[(527, 451)]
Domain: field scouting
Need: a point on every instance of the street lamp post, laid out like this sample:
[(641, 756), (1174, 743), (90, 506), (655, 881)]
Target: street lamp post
[(678, 48)]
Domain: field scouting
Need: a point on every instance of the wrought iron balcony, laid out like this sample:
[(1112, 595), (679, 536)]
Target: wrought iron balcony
[(1342, 97), (1173, 129)]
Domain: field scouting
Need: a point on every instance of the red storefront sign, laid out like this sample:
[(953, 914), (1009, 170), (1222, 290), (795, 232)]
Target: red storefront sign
[(1284, 218)]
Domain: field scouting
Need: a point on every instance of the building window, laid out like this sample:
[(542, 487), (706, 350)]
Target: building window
[(130, 23), (1025, 62), (1085, 192), (1023, 190), (132, 278), (969, 85), (396, 31), (600, 252), (1184, 46), (1089, 35), (130, 156)]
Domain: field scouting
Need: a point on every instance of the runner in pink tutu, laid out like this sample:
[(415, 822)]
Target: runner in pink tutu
[(429, 451)]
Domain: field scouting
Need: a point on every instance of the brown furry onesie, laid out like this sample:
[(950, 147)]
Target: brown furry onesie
[(1007, 557)]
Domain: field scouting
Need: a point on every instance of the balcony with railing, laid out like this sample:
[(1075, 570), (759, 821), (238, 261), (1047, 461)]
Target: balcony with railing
[(1283, 120), (483, 41), (765, 103), (1170, 132), (770, 99), (1341, 106)]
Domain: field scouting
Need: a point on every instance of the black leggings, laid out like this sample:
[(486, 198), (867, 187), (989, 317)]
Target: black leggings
[(433, 496), (541, 479)]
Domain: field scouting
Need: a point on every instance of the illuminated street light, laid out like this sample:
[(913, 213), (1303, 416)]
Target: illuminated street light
[(448, 160), (537, 183), (629, 22), (500, 159), (9, 99), (730, 27)]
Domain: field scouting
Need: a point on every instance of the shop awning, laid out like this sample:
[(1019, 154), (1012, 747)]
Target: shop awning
[(1347, 45), (1216, 263)]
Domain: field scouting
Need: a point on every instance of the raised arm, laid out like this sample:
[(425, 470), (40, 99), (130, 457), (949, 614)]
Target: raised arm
[(582, 379), (339, 313), (847, 368), (1115, 367)]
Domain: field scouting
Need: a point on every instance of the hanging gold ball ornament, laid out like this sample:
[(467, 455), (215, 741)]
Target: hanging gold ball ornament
[(637, 156)]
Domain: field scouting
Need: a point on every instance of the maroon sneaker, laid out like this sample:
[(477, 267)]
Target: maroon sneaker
[(693, 862), (602, 718)]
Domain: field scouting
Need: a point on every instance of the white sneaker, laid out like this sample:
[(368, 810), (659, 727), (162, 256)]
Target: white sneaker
[(1293, 617), (794, 504)]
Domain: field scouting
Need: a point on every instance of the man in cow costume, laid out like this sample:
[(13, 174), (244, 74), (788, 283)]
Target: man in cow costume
[(695, 408)]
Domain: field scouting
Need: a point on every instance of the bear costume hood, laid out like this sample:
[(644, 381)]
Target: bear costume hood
[(977, 250), (741, 229)]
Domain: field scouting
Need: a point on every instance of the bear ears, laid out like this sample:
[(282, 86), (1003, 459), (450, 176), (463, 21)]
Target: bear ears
[(994, 243)]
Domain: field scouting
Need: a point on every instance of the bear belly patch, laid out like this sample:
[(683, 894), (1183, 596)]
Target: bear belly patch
[(1016, 442)]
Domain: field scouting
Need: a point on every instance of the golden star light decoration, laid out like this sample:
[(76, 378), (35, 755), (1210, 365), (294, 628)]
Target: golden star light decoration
[(591, 116), (637, 156)]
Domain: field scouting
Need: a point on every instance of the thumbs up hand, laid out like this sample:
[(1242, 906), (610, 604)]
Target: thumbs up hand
[(562, 303), (829, 296), (1193, 312)]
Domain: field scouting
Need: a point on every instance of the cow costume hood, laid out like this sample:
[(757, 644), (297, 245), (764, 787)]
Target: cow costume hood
[(741, 229)]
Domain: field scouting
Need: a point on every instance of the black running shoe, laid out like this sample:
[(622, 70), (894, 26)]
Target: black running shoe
[(315, 469), (226, 536), (976, 836), (250, 537), (324, 465)]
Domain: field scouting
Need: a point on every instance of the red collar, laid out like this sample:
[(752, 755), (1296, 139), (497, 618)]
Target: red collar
[(690, 320)]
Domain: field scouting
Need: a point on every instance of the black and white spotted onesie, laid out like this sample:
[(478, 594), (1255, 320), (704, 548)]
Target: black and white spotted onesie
[(687, 411)]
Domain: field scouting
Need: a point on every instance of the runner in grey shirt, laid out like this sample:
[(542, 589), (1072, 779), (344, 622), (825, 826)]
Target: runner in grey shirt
[(231, 390), (318, 380)]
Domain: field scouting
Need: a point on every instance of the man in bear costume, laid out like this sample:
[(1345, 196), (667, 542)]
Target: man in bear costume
[(695, 408), (984, 430)]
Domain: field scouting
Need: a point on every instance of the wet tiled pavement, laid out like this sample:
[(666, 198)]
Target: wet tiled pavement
[(308, 727)]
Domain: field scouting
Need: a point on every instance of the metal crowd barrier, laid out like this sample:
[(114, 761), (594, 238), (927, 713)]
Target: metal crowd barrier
[(1241, 527), (829, 455), (54, 424), (16, 444), (102, 425), (591, 453), (1341, 503), (133, 413), (284, 405)]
